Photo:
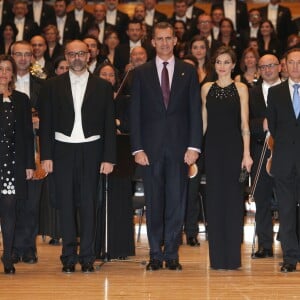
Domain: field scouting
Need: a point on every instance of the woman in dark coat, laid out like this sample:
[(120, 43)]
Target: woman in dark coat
[(16, 154)]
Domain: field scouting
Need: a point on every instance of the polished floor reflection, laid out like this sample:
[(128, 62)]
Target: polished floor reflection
[(257, 279)]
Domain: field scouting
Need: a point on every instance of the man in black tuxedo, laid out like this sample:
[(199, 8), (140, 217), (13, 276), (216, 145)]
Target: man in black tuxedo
[(41, 13), (204, 27), (24, 248), (6, 13), (27, 28), (281, 18), (153, 16), (236, 10), (192, 13), (77, 137), (166, 136), (269, 69), (122, 51), (66, 24), (284, 126), (116, 18), (180, 10), (84, 18), (252, 30), (99, 13)]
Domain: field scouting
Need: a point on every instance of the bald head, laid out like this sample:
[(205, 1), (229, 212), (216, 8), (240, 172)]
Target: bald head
[(270, 68), (138, 56)]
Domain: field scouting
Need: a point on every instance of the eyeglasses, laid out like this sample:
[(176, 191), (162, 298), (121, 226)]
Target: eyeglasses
[(204, 22), (21, 54), (79, 54), (269, 66)]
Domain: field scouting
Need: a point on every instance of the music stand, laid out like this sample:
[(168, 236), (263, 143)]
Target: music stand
[(124, 168)]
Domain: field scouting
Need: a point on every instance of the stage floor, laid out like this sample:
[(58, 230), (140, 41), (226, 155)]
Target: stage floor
[(257, 279)]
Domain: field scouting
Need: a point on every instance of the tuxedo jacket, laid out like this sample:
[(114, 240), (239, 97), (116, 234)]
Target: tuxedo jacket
[(152, 126), (285, 129), (57, 51), (71, 29), (7, 14), (122, 54), (284, 26), (35, 85), (23, 140), (122, 20), (56, 111), (47, 14), (30, 29), (87, 22), (242, 20), (159, 17)]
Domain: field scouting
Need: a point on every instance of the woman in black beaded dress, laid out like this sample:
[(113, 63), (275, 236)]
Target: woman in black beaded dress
[(16, 153), (227, 149)]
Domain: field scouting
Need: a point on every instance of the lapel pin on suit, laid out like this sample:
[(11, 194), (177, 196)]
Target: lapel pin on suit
[(182, 74)]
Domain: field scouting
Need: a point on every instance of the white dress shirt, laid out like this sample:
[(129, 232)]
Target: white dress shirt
[(23, 84), (1, 10), (272, 14), (61, 27), (37, 11), (20, 24), (230, 11), (101, 32), (78, 86), (291, 88), (149, 17), (79, 17), (111, 16), (265, 89), (189, 12)]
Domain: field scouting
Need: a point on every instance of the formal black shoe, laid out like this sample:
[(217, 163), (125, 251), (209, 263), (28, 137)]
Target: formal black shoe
[(87, 268), (173, 264), (68, 268), (154, 265), (15, 258), (263, 253), (193, 241), (30, 259), (54, 242), (9, 269), (288, 268)]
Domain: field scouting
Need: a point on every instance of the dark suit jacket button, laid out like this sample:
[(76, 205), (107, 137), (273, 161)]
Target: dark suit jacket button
[(293, 143)]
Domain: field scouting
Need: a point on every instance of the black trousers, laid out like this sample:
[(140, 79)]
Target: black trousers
[(27, 223), (8, 221), (165, 183), (288, 198), (76, 175)]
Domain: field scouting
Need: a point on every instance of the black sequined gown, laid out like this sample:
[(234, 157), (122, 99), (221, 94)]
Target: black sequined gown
[(223, 151)]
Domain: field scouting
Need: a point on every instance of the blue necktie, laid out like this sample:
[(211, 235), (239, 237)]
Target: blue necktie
[(296, 99)]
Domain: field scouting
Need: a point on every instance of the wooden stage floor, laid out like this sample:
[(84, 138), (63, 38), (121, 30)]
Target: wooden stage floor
[(257, 279)]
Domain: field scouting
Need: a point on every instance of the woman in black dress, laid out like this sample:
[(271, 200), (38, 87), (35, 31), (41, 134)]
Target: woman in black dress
[(227, 150), (16, 154), (120, 211), (268, 43)]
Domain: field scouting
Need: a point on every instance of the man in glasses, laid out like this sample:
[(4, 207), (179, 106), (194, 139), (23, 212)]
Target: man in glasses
[(77, 134), (269, 69), (284, 125)]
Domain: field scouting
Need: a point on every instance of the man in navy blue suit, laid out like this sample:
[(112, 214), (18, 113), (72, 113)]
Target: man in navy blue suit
[(166, 136)]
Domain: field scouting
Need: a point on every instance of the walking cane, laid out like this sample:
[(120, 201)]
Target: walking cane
[(253, 187)]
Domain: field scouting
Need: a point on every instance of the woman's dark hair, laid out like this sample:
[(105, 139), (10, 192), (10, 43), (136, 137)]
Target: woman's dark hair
[(224, 50), (107, 63), (58, 60), (207, 62), (233, 33), (191, 58), (273, 34), (10, 24), (11, 84)]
